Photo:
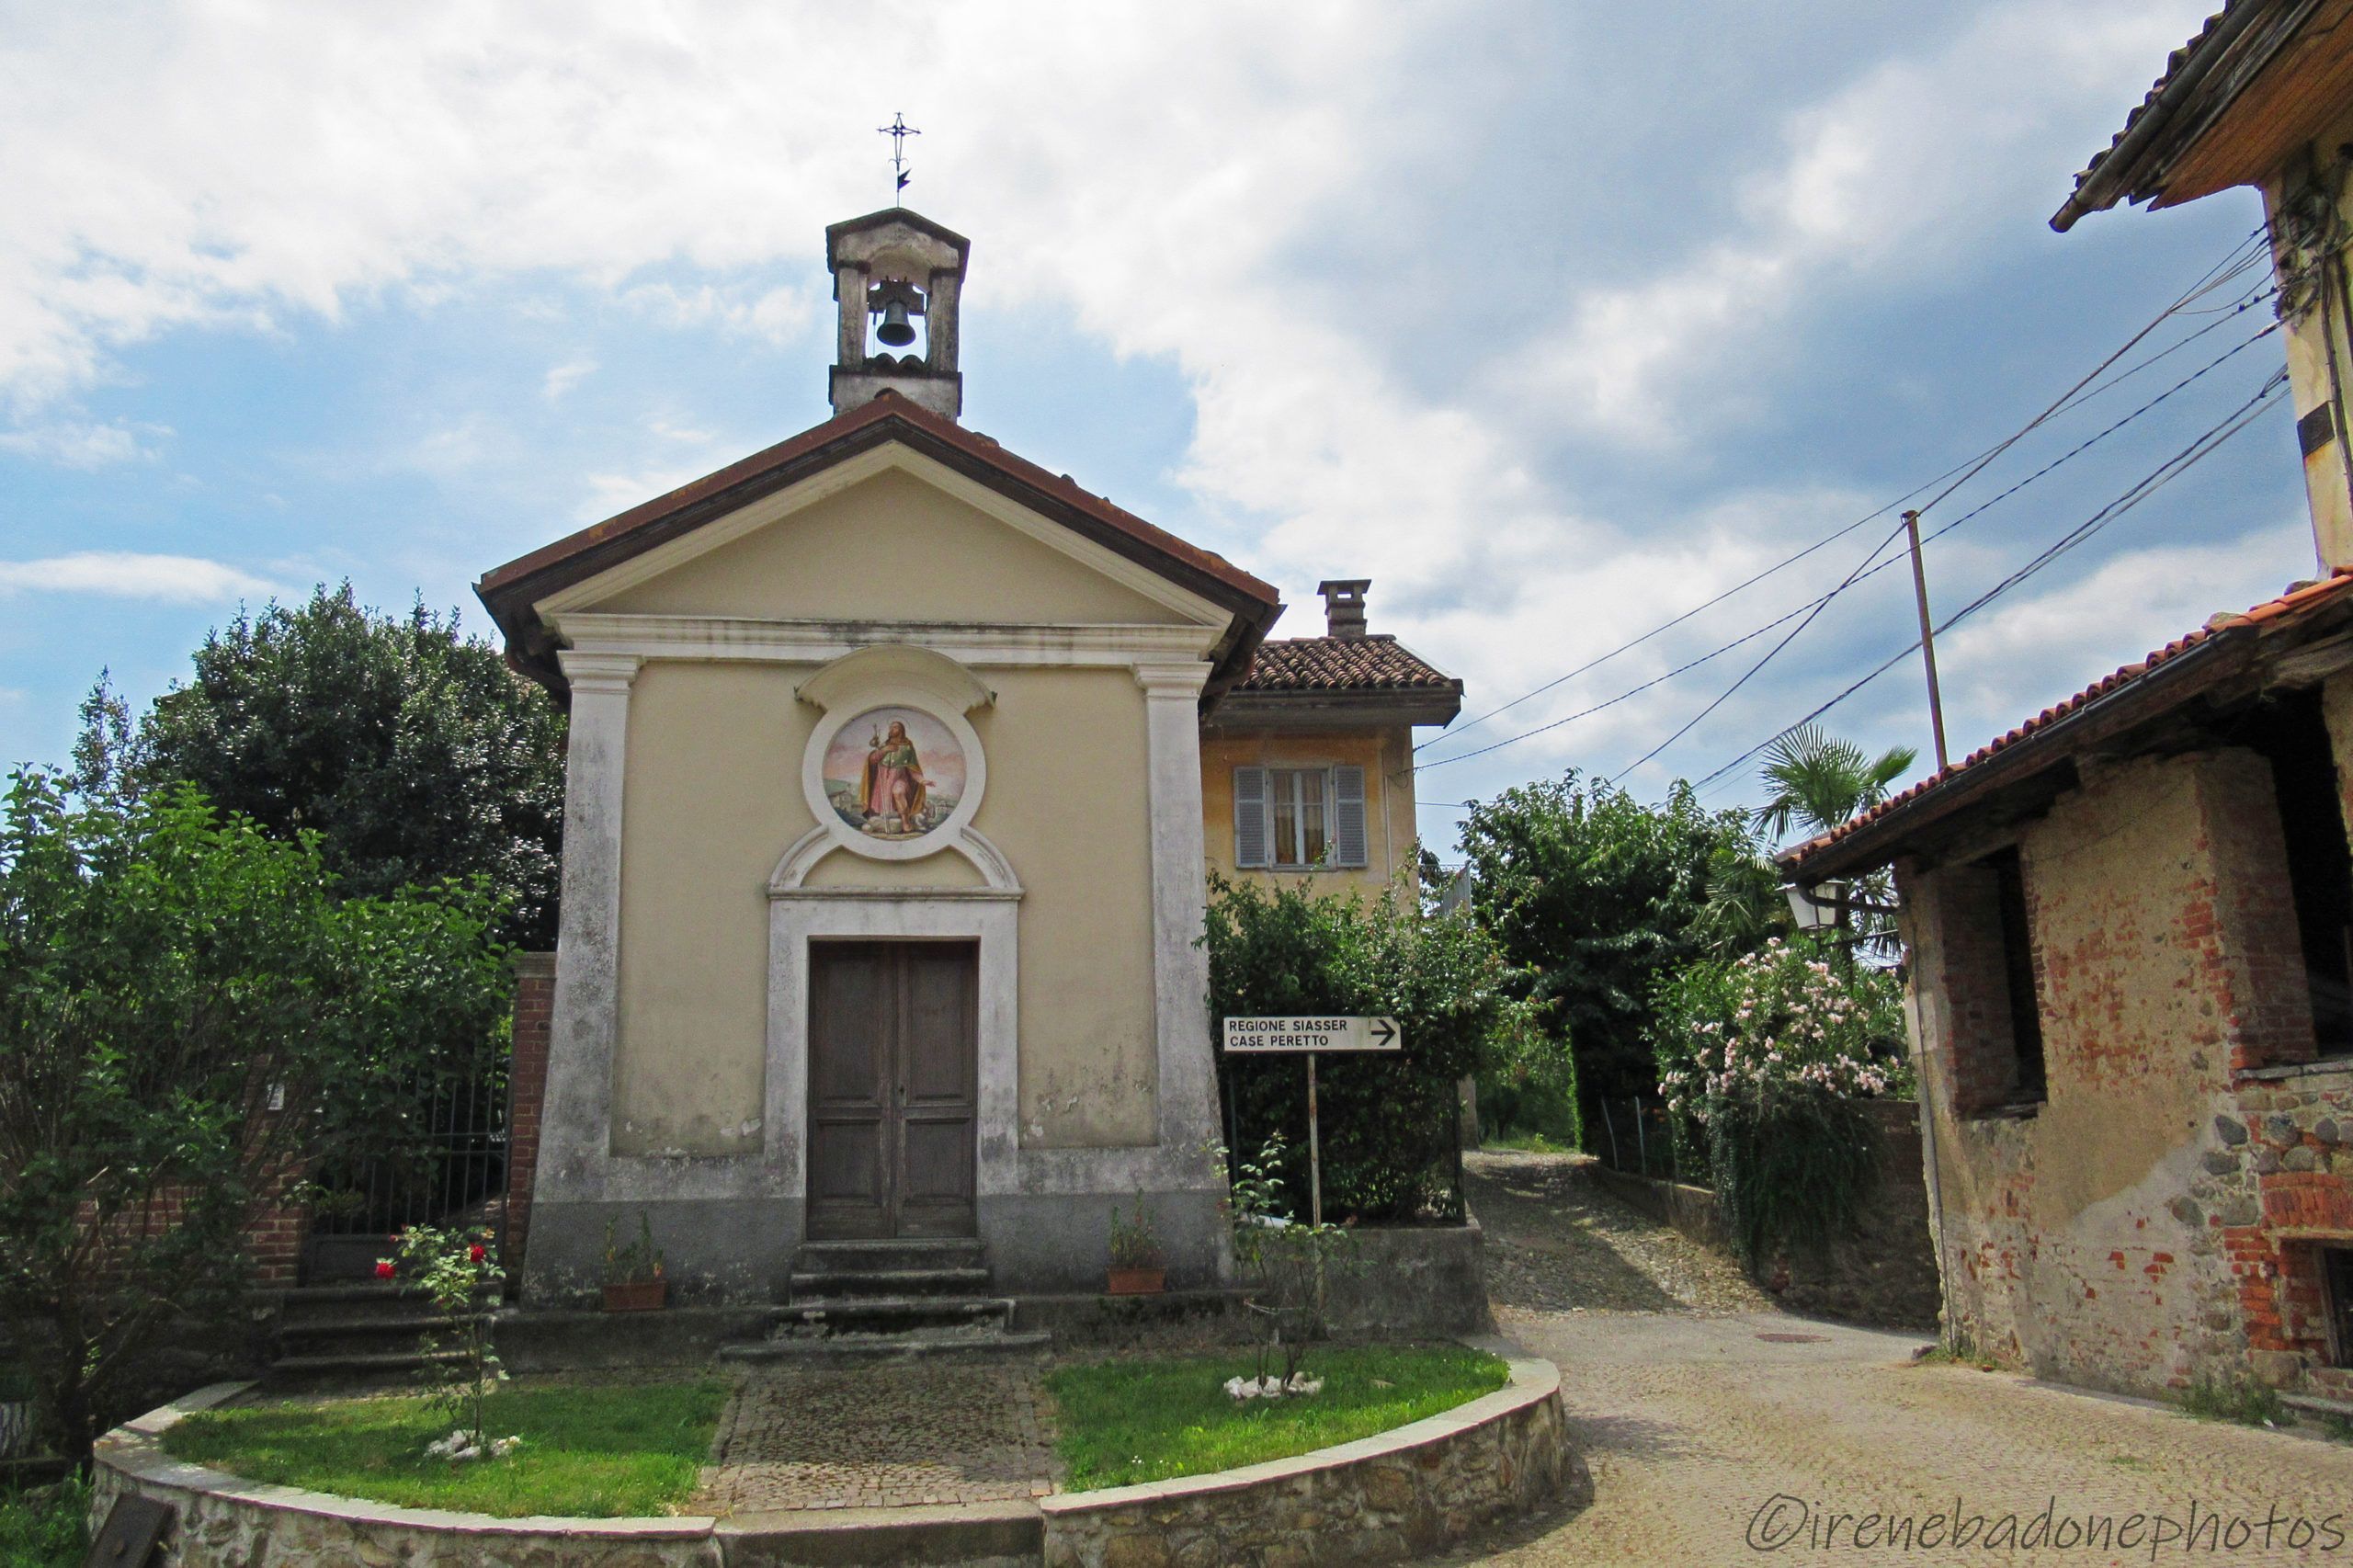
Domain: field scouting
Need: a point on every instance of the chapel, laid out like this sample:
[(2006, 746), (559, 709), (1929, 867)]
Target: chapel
[(898, 766)]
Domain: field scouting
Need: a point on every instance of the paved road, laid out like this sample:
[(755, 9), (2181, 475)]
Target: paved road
[(1695, 1421)]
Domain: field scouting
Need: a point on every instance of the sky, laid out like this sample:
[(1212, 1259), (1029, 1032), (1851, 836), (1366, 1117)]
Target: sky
[(1556, 319)]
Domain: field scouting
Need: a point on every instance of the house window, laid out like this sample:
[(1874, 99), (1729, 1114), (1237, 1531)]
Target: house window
[(2291, 733), (1996, 1010), (1296, 795), (2017, 976), (1299, 819), (2336, 1290)]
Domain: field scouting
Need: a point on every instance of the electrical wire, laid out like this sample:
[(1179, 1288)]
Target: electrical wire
[(2157, 480), (1815, 605), (2236, 261)]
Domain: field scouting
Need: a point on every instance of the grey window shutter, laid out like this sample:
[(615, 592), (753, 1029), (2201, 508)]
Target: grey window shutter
[(1347, 816), (1251, 828)]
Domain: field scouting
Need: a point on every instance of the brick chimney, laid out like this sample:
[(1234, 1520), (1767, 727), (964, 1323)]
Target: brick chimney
[(1344, 605)]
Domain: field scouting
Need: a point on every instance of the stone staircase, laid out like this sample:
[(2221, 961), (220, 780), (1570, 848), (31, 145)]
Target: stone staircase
[(2327, 1391), (886, 1301), (332, 1333)]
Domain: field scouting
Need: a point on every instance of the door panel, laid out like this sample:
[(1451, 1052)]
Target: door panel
[(893, 1036), (852, 993)]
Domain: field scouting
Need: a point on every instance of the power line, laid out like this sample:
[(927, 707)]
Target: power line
[(1813, 606), (2157, 480), (2235, 262)]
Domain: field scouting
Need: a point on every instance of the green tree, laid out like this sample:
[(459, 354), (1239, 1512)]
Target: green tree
[(1817, 780), (191, 1010), (1594, 898), (411, 751), (1388, 1120)]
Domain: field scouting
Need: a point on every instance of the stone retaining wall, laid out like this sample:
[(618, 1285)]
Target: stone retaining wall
[(226, 1521), (1382, 1499), (1378, 1500), (1411, 1282)]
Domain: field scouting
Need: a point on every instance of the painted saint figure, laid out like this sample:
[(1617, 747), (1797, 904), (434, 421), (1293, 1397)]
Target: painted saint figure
[(892, 785)]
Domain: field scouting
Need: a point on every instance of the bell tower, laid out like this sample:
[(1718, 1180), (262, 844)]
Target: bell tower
[(893, 270)]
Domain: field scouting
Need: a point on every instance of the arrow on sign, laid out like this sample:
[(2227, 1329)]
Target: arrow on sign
[(1383, 1030)]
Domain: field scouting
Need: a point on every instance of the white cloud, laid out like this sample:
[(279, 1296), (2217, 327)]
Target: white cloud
[(85, 446), (776, 314), (561, 378), (1898, 169), (168, 579)]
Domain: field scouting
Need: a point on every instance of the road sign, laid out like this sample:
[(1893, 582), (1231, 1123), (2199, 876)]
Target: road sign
[(1312, 1034)]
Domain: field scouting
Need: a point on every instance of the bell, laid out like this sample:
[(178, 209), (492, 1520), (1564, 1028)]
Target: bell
[(895, 329)]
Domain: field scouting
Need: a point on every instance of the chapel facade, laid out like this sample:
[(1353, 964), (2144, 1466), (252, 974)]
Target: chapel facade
[(897, 767)]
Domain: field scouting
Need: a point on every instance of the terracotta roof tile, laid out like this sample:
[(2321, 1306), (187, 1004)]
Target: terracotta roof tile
[(2295, 604), (1376, 662)]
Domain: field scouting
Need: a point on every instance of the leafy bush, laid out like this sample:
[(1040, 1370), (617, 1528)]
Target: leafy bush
[(1594, 898), (45, 1527), (1388, 1119), (411, 750), (190, 1014), (1762, 1059)]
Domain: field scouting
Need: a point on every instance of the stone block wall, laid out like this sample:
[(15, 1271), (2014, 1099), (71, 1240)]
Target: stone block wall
[(1885, 1272)]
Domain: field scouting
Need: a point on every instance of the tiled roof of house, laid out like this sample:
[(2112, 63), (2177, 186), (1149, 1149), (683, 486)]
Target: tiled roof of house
[(1371, 662), (2174, 65), (2302, 602)]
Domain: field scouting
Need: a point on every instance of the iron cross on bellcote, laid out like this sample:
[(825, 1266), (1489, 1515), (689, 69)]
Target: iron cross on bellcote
[(898, 130)]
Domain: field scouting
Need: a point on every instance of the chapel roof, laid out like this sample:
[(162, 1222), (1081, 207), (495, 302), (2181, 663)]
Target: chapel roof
[(2221, 656), (511, 591)]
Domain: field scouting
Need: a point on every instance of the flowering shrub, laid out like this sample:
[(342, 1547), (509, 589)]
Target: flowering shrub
[(1762, 1059), (1782, 1016)]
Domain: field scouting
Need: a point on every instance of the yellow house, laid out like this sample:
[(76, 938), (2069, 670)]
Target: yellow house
[(896, 766)]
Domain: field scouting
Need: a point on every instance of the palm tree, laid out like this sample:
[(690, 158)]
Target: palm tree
[(1819, 781)]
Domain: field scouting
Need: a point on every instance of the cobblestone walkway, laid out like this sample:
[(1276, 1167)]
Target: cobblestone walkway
[(881, 1437), (1695, 1422)]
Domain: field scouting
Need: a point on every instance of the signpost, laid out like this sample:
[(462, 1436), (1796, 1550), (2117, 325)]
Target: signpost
[(1311, 1036)]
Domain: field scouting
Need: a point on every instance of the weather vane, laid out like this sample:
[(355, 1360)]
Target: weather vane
[(898, 130)]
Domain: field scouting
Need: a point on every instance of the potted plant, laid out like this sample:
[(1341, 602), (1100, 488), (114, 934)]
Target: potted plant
[(1137, 1264), (634, 1280)]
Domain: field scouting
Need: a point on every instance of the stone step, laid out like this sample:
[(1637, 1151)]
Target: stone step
[(371, 1302), (869, 1257), (355, 1334), (886, 1314), (852, 1349), (958, 1535), (835, 1284), (2315, 1405), (370, 1366)]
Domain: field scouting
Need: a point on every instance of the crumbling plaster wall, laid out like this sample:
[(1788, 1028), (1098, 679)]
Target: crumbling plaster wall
[(2087, 1239)]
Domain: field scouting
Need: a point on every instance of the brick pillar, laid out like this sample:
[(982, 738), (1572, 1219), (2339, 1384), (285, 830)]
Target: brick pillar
[(528, 1082)]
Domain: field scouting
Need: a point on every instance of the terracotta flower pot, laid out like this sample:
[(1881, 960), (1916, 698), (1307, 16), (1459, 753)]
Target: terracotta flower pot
[(1135, 1282), (638, 1296)]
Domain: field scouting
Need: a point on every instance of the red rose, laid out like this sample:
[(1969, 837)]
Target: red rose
[(476, 1253), (384, 1268)]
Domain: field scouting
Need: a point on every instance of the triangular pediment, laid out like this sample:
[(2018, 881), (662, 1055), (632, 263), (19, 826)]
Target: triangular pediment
[(887, 536)]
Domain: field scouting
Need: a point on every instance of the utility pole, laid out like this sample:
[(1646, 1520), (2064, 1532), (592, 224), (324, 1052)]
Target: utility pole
[(1928, 636)]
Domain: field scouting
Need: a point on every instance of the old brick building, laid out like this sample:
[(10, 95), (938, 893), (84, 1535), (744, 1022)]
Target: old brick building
[(2130, 918)]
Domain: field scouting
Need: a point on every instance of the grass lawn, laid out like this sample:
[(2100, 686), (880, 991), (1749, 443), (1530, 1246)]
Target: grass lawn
[(1124, 1422), (590, 1451)]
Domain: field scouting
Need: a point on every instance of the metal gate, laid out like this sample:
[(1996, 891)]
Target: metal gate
[(454, 1176)]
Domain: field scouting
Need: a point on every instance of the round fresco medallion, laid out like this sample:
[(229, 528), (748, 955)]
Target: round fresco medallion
[(895, 774)]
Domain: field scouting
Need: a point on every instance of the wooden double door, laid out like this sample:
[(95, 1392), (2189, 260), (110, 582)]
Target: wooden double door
[(893, 1049)]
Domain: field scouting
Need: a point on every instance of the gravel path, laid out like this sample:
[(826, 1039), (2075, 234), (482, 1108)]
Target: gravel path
[(1557, 1242), (1722, 1432)]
